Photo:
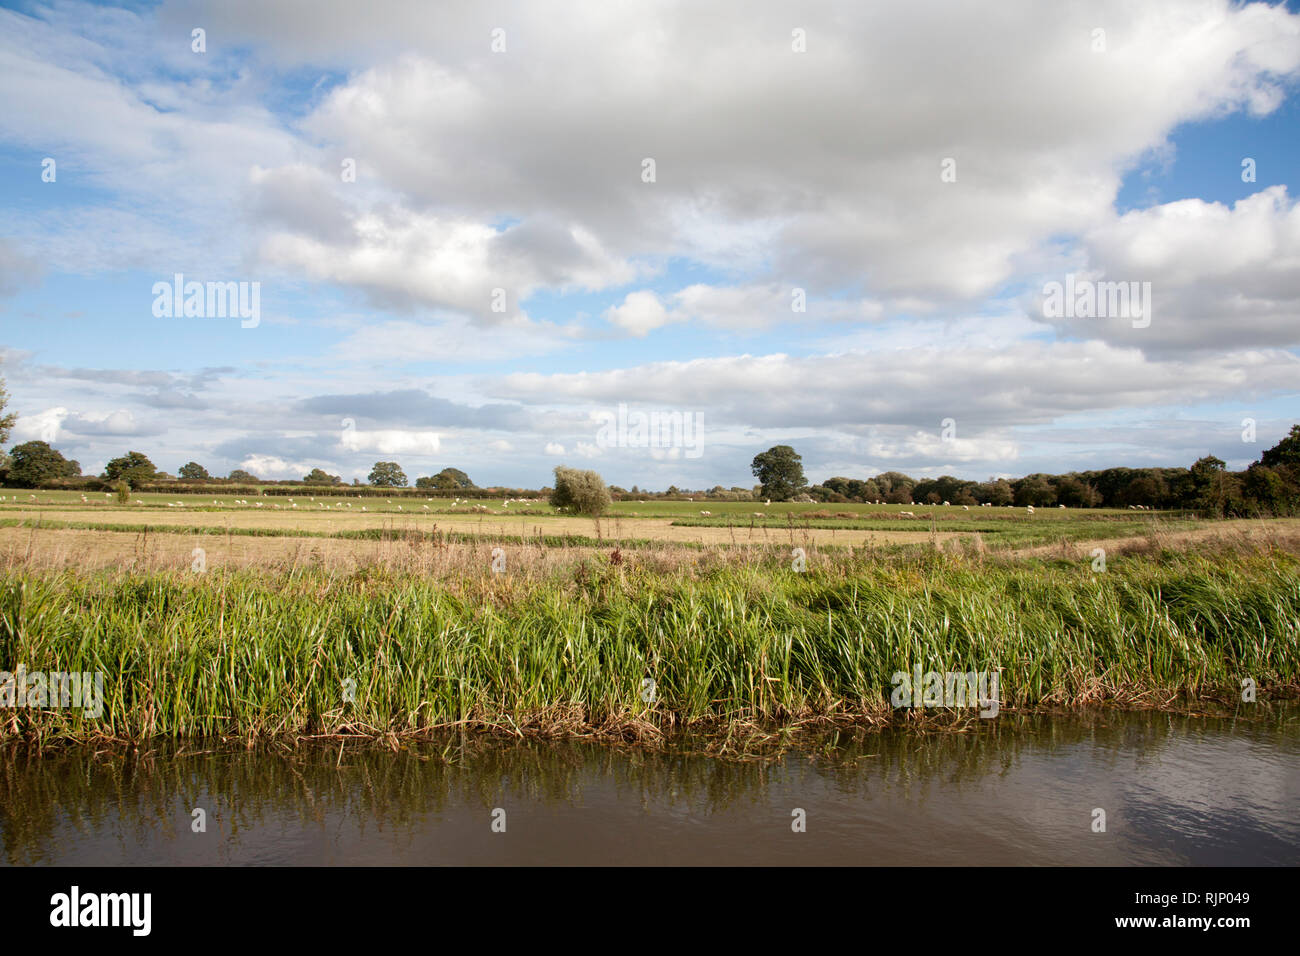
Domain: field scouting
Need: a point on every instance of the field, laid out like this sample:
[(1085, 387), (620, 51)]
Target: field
[(210, 618), (38, 524)]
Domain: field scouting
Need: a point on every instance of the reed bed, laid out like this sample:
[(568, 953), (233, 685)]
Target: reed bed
[(733, 643)]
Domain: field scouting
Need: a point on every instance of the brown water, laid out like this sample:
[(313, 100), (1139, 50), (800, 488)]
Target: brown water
[(1175, 790)]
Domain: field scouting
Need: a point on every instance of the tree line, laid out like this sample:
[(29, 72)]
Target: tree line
[(1268, 486)]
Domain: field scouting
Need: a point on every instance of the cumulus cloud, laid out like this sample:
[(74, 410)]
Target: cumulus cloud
[(388, 441), (272, 466), (749, 170), (982, 389), (1222, 277), (42, 426)]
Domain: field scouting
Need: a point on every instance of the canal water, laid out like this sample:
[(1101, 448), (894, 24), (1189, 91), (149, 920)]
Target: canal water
[(1027, 790)]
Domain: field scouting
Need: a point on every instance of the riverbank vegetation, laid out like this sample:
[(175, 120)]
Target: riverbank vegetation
[(617, 645)]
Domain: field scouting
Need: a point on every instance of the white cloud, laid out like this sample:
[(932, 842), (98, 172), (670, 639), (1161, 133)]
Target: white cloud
[(270, 466), (389, 441), (43, 426), (1221, 277)]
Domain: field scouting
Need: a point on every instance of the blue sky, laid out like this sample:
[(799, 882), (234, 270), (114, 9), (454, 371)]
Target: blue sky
[(778, 172)]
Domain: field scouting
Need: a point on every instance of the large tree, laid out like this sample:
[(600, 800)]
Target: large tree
[(449, 479), (134, 468), (387, 474), (193, 471), (780, 471), (35, 461), (240, 475)]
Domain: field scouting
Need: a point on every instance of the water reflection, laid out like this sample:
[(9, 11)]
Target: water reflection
[(1012, 791)]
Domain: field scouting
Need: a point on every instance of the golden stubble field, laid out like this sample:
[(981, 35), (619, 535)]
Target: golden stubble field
[(147, 544)]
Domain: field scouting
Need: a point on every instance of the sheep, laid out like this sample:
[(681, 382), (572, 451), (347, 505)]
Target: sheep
[(1029, 508), (965, 507), (906, 514), (945, 504), (708, 513)]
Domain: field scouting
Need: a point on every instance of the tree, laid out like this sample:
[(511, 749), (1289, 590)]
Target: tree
[(780, 471), (449, 479), (1268, 489), (1208, 481), (1035, 490), (458, 478), (240, 475), (387, 474), (895, 487), (582, 492), (35, 461), (1285, 452), (193, 471), (134, 468), (6, 421), (319, 477)]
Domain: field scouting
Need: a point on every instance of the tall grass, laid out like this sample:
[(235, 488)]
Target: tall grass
[(727, 646)]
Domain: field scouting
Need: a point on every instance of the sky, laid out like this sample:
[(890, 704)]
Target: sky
[(474, 230)]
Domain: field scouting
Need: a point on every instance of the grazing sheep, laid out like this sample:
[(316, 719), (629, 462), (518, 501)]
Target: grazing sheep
[(906, 514), (710, 514), (945, 504), (1029, 508), (965, 507)]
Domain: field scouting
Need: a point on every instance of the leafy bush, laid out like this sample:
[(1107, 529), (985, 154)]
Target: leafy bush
[(582, 492)]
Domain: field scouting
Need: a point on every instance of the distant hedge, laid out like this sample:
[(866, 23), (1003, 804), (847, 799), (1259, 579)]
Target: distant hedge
[(290, 489)]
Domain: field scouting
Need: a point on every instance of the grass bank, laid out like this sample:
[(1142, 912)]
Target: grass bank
[(730, 647)]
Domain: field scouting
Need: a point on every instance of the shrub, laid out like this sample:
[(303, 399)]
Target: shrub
[(582, 492)]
